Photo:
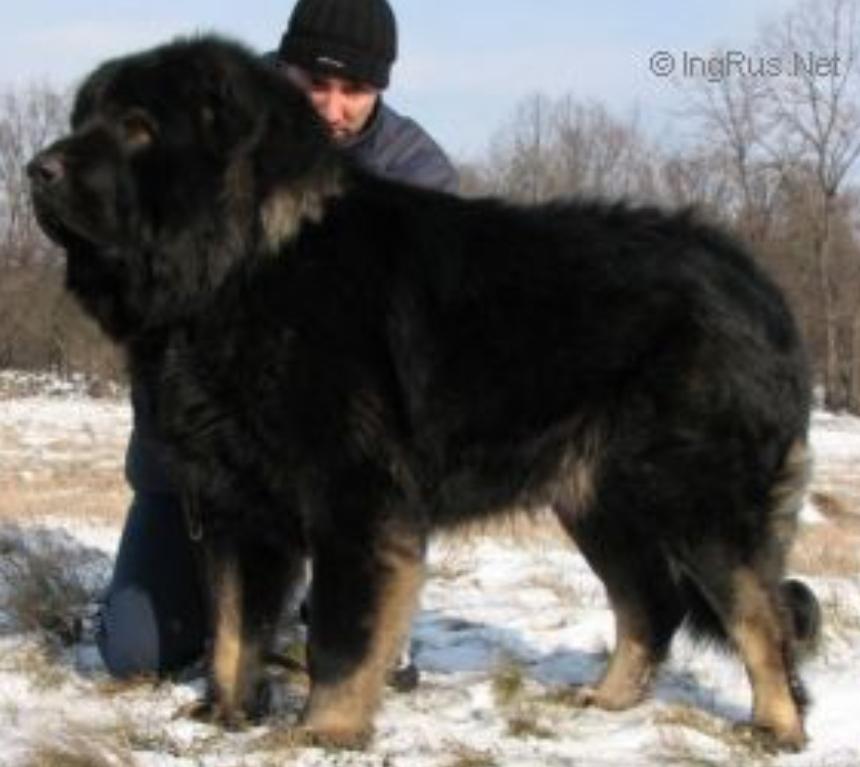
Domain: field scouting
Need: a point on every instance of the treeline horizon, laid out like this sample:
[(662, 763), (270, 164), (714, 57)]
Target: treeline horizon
[(771, 155)]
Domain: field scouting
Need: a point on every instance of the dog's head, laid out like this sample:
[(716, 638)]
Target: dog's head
[(181, 161)]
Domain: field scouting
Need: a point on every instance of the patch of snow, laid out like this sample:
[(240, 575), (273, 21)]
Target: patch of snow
[(487, 603)]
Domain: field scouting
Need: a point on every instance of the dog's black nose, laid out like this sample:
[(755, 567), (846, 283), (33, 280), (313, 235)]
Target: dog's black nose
[(46, 169)]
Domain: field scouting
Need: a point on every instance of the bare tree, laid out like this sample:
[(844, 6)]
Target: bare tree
[(40, 326), (601, 154), (521, 166), (738, 137), (779, 144), (551, 149), (695, 177), (815, 106), (28, 120)]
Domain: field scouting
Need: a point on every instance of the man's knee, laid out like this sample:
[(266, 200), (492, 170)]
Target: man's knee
[(127, 635), (134, 639)]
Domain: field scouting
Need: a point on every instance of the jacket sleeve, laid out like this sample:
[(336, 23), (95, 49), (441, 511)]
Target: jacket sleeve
[(424, 164), (401, 150)]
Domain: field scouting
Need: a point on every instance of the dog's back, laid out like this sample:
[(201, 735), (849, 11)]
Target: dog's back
[(516, 336)]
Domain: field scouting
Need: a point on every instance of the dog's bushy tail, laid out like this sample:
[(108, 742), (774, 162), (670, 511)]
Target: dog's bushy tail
[(787, 496), (805, 614), (797, 598), (797, 601)]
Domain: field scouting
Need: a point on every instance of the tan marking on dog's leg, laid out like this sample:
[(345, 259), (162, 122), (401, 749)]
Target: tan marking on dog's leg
[(581, 483), (234, 661), (227, 649), (576, 489), (342, 713), (628, 675), (758, 632)]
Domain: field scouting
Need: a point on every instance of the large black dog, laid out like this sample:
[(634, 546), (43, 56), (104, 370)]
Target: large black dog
[(342, 365)]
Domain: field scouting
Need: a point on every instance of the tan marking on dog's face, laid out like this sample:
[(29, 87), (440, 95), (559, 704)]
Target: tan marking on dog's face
[(286, 209), (343, 712)]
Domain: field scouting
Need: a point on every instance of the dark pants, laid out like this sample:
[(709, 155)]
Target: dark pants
[(154, 617), (153, 620)]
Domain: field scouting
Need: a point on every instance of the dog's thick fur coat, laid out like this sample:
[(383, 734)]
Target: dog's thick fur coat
[(341, 365)]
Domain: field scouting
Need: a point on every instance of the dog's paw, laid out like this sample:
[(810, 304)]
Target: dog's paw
[(588, 696), (767, 740), (332, 738), (207, 711)]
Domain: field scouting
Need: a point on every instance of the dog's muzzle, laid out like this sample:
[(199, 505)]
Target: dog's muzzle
[(46, 171)]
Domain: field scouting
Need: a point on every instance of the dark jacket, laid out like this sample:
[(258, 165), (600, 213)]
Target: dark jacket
[(397, 148), (392, 146)]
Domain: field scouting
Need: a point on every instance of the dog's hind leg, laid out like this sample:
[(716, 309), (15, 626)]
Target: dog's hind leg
[(748, 599), (643, 597), (741, 577), (365, 589)]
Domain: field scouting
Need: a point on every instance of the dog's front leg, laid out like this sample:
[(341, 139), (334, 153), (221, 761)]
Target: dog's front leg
[(249, 581), (367, 578)]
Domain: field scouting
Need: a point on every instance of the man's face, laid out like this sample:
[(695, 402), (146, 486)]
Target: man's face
[(345, 105)]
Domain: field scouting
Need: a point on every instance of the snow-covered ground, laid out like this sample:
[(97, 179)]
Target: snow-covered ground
[(507, 622)]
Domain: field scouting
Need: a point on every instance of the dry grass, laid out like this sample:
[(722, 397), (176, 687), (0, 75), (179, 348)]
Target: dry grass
[(68, 473), (826, 550), (836, 506), (10, 713), (91, 750), (281, 740), (42, 590), (835, 489), (525, 724), (573, 594), (448, 566), (77, 490), (831, 548), (677, 724), (522, 716), (39, 664), (152, 734), (566, 697), (466, 756), (154, 739), (17, 384), (508, 680), (116, 688), (841, 616)]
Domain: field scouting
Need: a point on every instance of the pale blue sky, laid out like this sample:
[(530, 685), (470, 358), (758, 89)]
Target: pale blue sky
[(464, 64)]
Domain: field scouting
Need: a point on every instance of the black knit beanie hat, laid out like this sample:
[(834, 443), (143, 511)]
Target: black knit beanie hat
[(355, 39)]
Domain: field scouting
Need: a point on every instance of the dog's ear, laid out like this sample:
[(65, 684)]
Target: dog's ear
[(281, 164), (245, 100), (228, 109), (91, 91), (293, 140), (295, 167)]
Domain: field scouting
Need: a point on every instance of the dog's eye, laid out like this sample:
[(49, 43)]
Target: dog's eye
[(138, 129)]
